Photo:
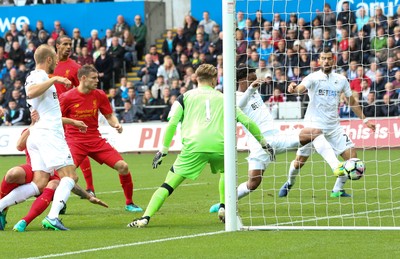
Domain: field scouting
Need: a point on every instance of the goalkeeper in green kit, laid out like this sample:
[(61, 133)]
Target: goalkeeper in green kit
[(201, 112)]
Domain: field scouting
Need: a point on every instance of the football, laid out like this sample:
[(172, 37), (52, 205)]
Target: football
[(354, 168)]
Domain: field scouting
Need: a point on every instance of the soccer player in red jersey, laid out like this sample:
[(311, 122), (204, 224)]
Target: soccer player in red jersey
[(68, 68), (83, 103)]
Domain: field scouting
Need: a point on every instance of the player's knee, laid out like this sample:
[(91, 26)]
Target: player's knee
[(298, 164), (168, 187), (53, 184), (14, 175), (122, 167), (254, 182)]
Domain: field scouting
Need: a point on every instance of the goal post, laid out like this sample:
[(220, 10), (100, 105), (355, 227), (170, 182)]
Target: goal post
[(375, 198)]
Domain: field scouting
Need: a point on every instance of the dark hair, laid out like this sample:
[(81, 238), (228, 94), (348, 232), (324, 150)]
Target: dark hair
[(58, 41), (85, 70), (242, 71)]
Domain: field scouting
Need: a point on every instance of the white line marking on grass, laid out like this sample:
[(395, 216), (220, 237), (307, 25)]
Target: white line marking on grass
[(128, 245), (337, 216)]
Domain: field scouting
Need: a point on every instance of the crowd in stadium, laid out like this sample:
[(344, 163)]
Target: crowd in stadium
[(367, 52)]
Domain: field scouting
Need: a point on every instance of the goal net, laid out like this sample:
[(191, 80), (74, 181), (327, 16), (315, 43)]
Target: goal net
[(282, 41)]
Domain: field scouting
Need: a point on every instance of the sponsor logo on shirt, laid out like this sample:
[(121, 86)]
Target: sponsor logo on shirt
[(55, 95), (328, 92), (256, 105)]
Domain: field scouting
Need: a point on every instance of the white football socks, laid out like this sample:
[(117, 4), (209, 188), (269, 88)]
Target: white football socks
[(19, 194), (293, 172), (340, 181), (242, 190), (61, 196), (323, 148)]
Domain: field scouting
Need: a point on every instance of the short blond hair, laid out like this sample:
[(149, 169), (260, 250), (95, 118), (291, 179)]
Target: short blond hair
[(43, 52), (206, 73)]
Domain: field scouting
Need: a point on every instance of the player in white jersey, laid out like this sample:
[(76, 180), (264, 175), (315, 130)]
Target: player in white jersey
[(324, 89), (250, 102), (46, 144)]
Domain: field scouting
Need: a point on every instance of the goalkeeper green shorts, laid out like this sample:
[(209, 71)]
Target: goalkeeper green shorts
[(190, 165)]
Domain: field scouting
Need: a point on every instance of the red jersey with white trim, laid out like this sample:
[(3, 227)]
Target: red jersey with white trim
[(84, 107), (68, 69)]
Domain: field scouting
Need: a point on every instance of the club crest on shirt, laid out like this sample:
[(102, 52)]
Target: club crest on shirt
[(67, 73), (76, 105), (94, 104)]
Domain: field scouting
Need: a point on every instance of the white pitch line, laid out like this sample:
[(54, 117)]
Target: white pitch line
[(127, 245), (337, 216)]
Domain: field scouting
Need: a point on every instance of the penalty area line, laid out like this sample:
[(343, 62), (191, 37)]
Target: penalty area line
[(128, 245)]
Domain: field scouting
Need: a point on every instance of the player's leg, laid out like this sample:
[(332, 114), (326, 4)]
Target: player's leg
[(186, 166), (105, 153), (87, 174), (68, 178), (342, 145), (14, 178), (221, 188), (294, 169), (321, 145), (38, 206)]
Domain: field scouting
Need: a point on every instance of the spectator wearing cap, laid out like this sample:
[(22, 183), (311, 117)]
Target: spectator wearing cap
[(207, 22), (211, 55)]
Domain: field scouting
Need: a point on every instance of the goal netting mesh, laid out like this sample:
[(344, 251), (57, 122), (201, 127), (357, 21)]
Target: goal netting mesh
[(282, 39)]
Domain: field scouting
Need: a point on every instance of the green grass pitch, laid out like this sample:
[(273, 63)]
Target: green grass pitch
[(97, 232)]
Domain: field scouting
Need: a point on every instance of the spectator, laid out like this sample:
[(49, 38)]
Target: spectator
[(131, 113), (379, 85), (120, 26), (316, 28), (307, 43), (13, 31), (380, 19), (390, 69), (148, 72), (388, 109), (107, 40), (369, 107), (39, 27), (122, 90), (328, 19), (168, 70), (380, 41), (85, 58), (183, 64), (164, 116), (347, 18), (364, 44), (200, 45), (265, 49), (214, 35), (116, 101), (96, 49), (304, 63), (77, 40), (371, 29), (8, 42), (276, 21), (365, 90), (94, 35), (327, 40), (371, 72), (149, 113), (248, 30), (117, 52), (396, 81), (189, 27), (273, 102), (255, 43), (176, 55), (240, 21), (258, 22), (211, 55), (345, 111), (292, 24), (168, 44), (207, 22), (175, 87), (157, 90), (352, 72), (355, 51), (57, 30), (396, 35), (104, 65), (191, 83), (3, 101), (139, 32), (14, 115), (16, 53), (43, 36), (28, 38), (355, 84), (179, 37), (362, 19), (266, 32), (280, 52), (344, 61), (157, 57), (136, 102), (10, 78), (130, 56), (390, 91)]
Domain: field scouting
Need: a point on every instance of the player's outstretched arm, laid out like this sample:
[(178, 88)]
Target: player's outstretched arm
[(294, 88), (249, 92), (355, 106), (82, 193), (36, 90), (21, 142)]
